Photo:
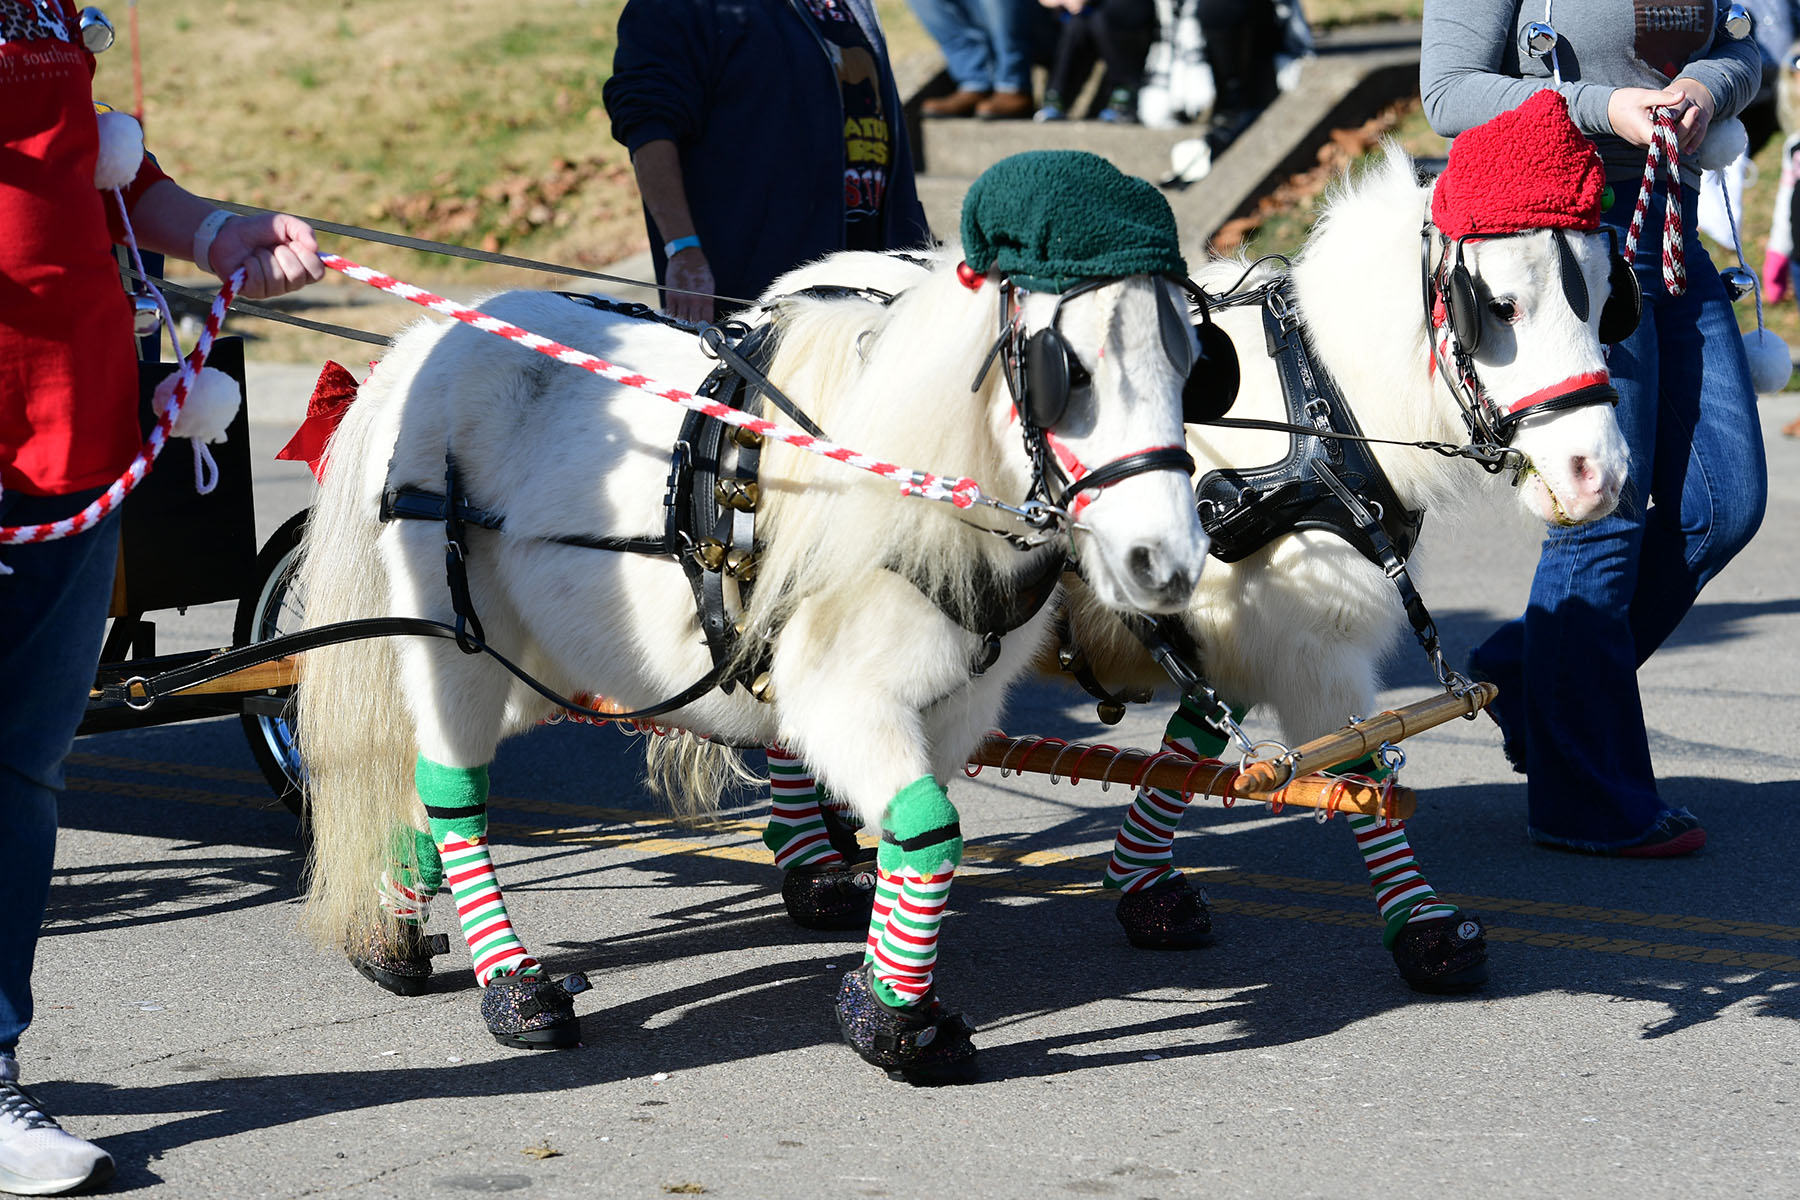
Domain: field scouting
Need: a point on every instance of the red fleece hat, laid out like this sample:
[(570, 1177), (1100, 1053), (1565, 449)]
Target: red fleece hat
[(1529, 168)]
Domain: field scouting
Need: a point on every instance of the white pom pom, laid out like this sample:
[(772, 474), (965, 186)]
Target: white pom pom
[(1725, 142), (210, 405), (1770, 361), (121, 150)]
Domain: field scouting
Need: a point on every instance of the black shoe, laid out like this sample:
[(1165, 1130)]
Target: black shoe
[(1443, 955), (1170, 916), (920, 1044), (835, 897), (402, 965), (527, 1012)]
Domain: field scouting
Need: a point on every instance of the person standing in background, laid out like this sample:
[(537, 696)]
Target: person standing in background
[(1607, 594), (987, 50), (764, 134)]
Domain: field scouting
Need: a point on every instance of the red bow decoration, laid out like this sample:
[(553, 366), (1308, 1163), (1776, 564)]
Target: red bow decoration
[(330, 400)]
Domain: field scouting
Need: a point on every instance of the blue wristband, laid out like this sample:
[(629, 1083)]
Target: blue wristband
[(690, 242)]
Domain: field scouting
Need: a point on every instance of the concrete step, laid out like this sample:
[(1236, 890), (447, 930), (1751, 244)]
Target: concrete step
[(1357, 71)]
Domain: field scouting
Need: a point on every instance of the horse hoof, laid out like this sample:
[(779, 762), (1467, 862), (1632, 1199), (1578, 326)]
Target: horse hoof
[(835, 897), (1444, 955), (401, 965), (1170, 916), (917, 1044), (527, 1012)]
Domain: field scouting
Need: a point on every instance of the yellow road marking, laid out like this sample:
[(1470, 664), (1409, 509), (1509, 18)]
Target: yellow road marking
[(655, 836)]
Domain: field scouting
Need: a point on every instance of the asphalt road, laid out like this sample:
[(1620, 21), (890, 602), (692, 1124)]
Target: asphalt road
[(1639, 1038)]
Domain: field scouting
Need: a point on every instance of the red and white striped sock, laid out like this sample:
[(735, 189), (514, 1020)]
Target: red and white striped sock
[(796, 830), (903, 933), (1401, 891), (494, 948), (1144, 850)]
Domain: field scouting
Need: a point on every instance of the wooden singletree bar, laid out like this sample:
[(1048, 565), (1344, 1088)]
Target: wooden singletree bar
[(1354, 741)]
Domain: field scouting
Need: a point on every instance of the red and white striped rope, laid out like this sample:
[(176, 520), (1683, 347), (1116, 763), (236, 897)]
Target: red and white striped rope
[(1664, 150), (963, 492), (113, 496)]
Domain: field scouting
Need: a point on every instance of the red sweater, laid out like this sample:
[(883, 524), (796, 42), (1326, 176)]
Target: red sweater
[(68, 368)]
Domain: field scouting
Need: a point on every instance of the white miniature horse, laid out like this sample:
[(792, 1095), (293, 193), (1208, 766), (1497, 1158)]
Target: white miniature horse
[(1301, 624), (869, 675)]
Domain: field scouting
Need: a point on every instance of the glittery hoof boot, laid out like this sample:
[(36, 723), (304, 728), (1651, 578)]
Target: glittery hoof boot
[(1443, 955), (1170, 916), (400, 964), (918, 1044), (834, 897), (527, 1012)]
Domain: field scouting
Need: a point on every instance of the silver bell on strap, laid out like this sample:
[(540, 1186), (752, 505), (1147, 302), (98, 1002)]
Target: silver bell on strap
[(96, 30), (1538, 39), (1738, 281), (1738, 24)]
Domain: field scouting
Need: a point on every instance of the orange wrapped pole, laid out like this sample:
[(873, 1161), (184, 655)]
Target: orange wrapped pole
[(1109, 765)]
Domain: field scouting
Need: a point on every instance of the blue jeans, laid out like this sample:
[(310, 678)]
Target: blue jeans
[(52, 619), (1607, 594), (984, 41)]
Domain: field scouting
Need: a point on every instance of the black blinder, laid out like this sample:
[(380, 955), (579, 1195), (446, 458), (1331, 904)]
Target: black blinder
[(1574, 283), (1052, 372), (1624, 306), (1464, 305), (1213, 378)]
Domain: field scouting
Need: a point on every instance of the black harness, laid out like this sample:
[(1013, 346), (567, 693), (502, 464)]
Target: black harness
[(1333, 484), (709, 505)]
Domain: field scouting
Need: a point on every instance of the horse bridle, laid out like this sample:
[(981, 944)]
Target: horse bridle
[(1041, 370), (1452, 306)]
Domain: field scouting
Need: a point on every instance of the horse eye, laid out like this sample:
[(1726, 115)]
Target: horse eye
[(1504, 310)]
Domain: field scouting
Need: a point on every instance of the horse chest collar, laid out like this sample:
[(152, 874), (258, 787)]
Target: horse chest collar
[(1324, 483)]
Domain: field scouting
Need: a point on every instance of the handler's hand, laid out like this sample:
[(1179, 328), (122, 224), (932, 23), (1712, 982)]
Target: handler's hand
[(278, 253), (1693, 120), (689, 270), (1629, 110)]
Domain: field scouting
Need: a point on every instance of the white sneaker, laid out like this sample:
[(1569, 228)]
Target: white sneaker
[(37, 1158)]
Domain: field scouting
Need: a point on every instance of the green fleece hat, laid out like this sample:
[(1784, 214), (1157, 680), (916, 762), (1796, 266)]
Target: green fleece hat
[(1054, 218)]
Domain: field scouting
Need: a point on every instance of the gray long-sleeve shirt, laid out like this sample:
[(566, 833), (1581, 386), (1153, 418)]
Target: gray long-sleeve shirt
[(1472, 67)]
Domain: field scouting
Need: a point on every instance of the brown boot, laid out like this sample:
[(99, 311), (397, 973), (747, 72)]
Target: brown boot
[(1005, 106), (960, 103)]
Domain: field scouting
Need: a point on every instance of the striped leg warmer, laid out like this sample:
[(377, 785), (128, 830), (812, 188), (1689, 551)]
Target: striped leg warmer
[(413, 877), (921, 847), (456, 803), (796, 830), (1143, 852), (1401, 892)]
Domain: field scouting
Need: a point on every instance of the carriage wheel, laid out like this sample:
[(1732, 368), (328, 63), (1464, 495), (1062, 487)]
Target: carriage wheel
[(274, 607)]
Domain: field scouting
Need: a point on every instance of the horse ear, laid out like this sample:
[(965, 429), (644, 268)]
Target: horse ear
[(1212, 386), (1624, 305)]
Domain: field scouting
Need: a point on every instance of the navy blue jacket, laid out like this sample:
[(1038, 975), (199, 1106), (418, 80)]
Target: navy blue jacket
[(746, 90)]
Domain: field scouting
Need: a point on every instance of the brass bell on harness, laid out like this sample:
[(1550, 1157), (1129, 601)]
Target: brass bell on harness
[(1738, 281), (763, 688), (741, 565), (748, 438), (710, 553), (737, 494), (1110, 712)]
